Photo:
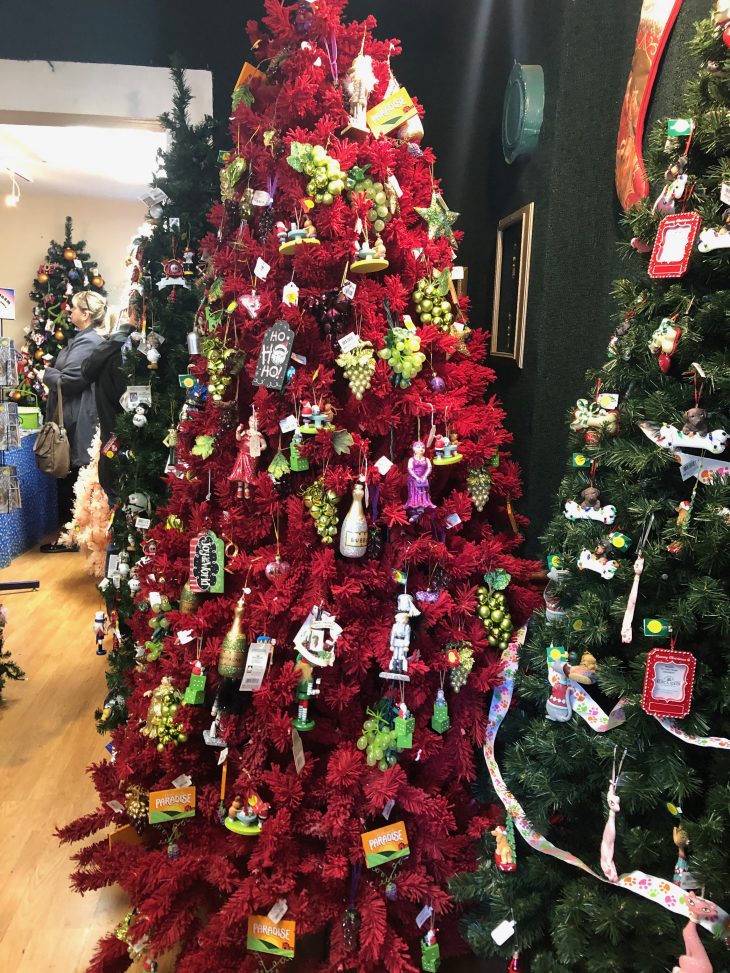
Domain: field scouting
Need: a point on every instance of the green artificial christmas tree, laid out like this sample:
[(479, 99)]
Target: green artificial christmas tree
[(8, 668), (612, 766), (66, 269), (164, 297)]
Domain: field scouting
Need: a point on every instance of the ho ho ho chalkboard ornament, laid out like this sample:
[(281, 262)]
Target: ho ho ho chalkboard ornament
[(273, 361)]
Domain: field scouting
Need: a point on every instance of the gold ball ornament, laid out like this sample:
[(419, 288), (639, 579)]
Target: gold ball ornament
[(97, 280), (42, 278), (69, 254)]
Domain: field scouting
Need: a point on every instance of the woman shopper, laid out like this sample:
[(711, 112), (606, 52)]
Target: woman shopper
[(88, 311), (105, 368)]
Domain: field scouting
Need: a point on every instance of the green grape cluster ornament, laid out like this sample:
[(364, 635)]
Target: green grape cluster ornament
[(493, 610), (403, 353), (460, 659), (382, 198), (479, 486), (161, 724), (322, 506), (432, 305), (358, 364), (326, 178), (378, 741), (222, 364)]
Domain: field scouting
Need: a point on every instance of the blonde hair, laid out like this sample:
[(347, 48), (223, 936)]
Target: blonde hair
[(93, 304)]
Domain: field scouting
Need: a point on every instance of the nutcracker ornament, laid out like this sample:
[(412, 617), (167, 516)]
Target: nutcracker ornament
[(307, 687), (251, 445), (515, 966), (400, 639), (359, 86), (100, 630)]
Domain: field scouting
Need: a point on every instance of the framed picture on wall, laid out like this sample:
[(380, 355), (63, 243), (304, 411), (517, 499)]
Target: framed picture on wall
[(511, 283)]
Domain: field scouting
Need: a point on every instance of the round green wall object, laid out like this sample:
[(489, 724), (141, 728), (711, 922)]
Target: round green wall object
[(524, 102)]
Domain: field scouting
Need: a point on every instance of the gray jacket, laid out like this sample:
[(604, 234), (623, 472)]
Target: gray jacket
[(79, 402)]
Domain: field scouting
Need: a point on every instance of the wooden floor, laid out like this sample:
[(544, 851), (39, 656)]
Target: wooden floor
[(47, 739)]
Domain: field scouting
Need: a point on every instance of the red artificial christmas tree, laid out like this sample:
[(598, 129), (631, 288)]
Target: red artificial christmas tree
[(365, 650)]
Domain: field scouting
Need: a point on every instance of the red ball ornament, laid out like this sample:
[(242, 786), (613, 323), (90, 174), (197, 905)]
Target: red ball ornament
[(726, 36)]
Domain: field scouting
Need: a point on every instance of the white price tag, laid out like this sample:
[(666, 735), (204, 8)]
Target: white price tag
[(261, 269), (453, 520), (155, 599), (457, 273), (297, 751), (113, 565), (223, 755), (142, 523), (690, 468), (185, 636), (116, 806), (78, 264), (608, 400), (383, 465), (256, 663), (395, 186), (725, 193), (502, 932), (299, 359), (184, 780), (349, 341), (278, 910), (388, 808), (290, 294), (424, 915), (289, 424), (349, 288), (261, 198)]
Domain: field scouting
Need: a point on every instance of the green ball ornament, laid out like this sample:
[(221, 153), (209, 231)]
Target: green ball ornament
[(483, 611), (370, 760), (383, 765), (497, 615)]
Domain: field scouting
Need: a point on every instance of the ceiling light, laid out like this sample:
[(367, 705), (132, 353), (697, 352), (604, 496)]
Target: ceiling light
[(13, 197)]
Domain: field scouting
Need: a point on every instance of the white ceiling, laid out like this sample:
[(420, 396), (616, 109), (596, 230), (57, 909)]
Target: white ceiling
[(80, 160)]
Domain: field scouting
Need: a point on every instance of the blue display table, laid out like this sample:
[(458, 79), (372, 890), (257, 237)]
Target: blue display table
[(24, 528)]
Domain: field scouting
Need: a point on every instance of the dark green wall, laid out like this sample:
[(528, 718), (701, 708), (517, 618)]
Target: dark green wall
[(456, 60)]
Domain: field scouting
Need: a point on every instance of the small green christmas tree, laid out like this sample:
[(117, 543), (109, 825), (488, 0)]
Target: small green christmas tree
[(8, 668), (166, 311), (66, 269), (651, 466)]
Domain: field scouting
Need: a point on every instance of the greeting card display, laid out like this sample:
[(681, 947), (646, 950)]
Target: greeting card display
[(673, 245), (668, 683)]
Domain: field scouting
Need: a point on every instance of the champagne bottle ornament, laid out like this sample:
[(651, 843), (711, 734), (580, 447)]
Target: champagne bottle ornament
[(354, 531), (232, 656)]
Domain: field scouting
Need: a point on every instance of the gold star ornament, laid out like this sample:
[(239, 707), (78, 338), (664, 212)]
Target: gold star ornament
[(439, 217)]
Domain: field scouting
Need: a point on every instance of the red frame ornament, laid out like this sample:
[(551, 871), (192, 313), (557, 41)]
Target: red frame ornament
[(674, 264), (666, 696)]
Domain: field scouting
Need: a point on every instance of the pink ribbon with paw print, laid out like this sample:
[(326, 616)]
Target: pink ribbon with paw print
[(654, 889)]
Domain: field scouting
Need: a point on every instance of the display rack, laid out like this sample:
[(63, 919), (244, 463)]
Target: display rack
[(10, 498)]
